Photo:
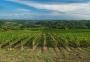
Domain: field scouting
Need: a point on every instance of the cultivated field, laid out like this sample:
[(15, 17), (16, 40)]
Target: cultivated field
[(41, 45)]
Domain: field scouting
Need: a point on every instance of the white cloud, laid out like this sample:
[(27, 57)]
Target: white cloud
[(75, 9)]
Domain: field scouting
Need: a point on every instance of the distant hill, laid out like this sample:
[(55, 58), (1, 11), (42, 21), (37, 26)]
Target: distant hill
[(58, 24)]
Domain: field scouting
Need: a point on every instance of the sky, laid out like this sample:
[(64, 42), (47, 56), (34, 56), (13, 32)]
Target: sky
[(45, 9)]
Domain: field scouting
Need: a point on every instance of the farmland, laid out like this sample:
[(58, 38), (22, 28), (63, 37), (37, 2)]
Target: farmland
[(45, 45), (45, 38)]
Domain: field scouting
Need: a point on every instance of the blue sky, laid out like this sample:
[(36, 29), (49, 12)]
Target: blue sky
[(44, 9)]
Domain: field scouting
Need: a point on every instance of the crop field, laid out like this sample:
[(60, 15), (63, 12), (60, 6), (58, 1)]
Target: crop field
[(41, 45)]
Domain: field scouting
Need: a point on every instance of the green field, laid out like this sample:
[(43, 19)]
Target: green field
[(39, 38), (45, 45)]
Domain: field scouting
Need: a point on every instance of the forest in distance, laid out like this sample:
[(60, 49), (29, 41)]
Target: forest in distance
[(56, 24)]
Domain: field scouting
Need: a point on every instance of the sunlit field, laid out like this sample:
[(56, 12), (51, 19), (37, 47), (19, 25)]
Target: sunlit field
[(45, 45)]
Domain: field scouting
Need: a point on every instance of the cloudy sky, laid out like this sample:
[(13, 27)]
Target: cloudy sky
[(45, 9)]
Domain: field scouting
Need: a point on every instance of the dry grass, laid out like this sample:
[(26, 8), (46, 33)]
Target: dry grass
[(51, 55)]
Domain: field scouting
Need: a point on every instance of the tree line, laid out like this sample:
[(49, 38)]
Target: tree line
[(57, 24)]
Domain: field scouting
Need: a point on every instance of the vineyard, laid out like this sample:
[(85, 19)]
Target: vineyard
[(61, 43), (44, 38)]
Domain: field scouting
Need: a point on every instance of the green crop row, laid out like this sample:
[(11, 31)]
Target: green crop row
[(44, 38)]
